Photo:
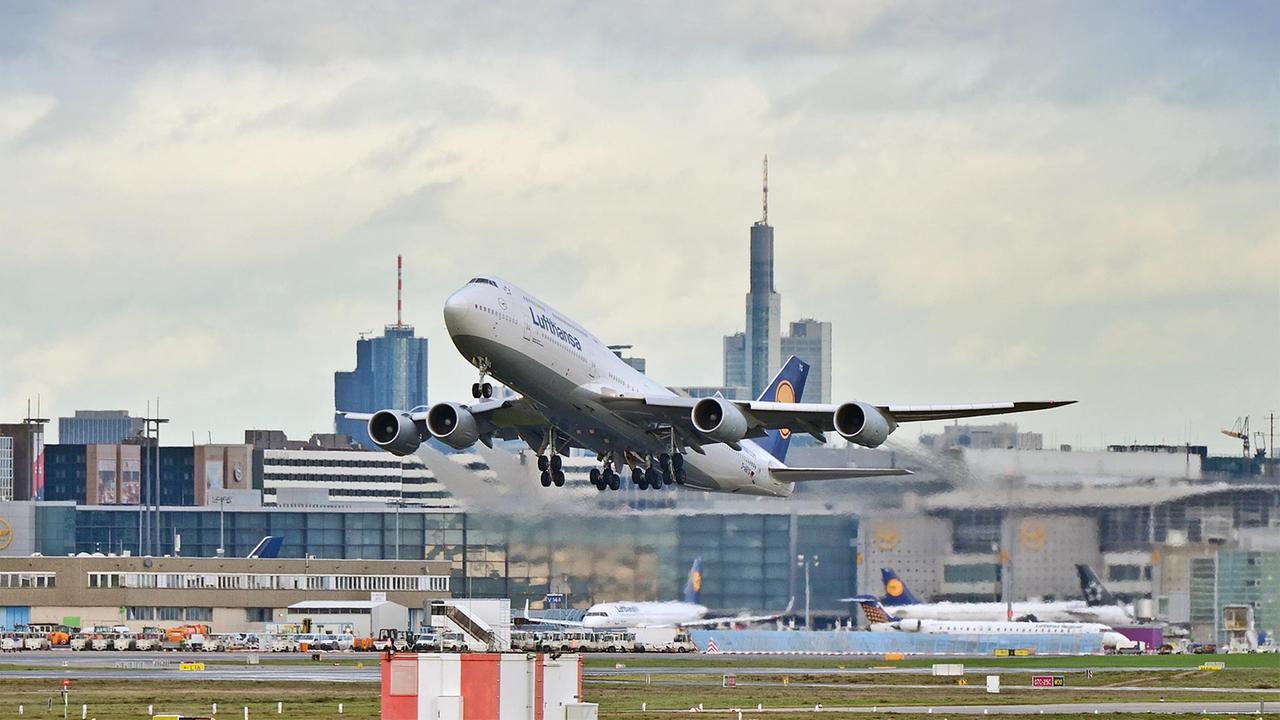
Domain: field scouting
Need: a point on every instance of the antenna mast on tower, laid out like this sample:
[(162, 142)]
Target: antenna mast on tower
[(765, 219), (399, 288)]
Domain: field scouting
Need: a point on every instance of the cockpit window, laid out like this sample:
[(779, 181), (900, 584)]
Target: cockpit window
[(597, 613), (481, 281)]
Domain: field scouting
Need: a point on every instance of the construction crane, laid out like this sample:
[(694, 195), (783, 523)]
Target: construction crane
[(1240, 431)]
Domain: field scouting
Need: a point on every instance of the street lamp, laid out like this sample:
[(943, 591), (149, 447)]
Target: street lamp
[(222, 501), (806, 563)]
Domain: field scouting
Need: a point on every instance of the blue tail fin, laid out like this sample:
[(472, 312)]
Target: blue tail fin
[(693, 586), (1095, 593), (268, 547), (896, 591), (787, 386)]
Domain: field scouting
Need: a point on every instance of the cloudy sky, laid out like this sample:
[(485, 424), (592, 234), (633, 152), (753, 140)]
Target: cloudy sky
[(203, 201)]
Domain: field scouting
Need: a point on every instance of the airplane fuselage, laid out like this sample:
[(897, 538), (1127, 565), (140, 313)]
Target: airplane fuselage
[(1063, 611), (563, 370), (642, 614)]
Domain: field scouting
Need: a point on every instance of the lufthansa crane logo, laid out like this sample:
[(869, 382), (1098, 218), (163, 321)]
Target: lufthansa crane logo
[(1032, 534), (6, 534), (893, 587), (786, 393), (886, 538), (695, 580)]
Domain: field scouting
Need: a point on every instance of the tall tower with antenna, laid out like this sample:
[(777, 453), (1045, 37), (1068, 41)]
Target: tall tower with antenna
[(391, 372), (764, 304)]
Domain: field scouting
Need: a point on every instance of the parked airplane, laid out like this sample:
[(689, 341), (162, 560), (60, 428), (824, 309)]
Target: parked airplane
[(904, 604), (577, 393), (687, 612), (1103, 606), (881, 621)]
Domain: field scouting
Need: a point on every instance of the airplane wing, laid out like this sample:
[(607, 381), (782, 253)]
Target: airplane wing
[(790, 474), (739, 618), (812, 418), (504, 419)]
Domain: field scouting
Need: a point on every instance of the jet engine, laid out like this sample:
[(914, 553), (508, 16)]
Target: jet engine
[(719, 420), (909, 625), (863, 424), (395, 432), (453, 425)]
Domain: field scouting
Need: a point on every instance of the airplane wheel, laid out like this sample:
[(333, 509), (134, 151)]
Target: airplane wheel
[(667, 476), (475, 390), (486, 390), (679, 474), (556, 462), (612, 479), (543, 463), (546, 479), (557, 476), (595, 478), (637, 477), (653, 477), (664, 462), (677, 463)]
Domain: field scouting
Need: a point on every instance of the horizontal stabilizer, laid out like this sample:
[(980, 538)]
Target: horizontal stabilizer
[(805, 474)]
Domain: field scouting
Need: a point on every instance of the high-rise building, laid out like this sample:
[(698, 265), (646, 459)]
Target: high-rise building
[(810, 340), (6, 468), (735, 360), (764, 310), (391, 372), (99, 427)]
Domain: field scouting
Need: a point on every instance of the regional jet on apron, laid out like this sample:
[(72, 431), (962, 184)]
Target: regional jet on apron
[(574, 392)]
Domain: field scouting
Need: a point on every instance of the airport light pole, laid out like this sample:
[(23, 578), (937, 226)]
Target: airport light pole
[(222, 501), (806, 563)]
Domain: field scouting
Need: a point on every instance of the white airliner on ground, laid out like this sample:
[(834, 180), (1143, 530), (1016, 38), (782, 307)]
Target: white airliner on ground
[(687, 612), (577, 393), (881, 621), (900, 601)]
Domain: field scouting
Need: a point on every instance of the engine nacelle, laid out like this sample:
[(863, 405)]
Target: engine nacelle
[(909, 625), (719, 420), (863, 424), (395, 432), (453, 425)]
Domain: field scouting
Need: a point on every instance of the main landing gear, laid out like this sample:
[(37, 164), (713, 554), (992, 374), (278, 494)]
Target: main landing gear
[(656, 475), (551, 470)]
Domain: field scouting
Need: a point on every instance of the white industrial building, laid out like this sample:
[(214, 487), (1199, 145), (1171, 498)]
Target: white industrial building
[(362, 618)]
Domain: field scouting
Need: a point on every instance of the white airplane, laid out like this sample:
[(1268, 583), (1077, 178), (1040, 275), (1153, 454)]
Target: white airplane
[(899, 600), (881, 621), (575, 392), (687, 612)]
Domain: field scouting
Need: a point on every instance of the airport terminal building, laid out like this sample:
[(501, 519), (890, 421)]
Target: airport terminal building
[(1190, 532)]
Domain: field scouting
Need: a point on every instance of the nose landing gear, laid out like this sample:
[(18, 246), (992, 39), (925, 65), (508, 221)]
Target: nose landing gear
[(482, 389)]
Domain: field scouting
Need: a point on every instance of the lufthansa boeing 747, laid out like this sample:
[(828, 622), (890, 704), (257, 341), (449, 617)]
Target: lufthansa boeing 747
[(576, 393)]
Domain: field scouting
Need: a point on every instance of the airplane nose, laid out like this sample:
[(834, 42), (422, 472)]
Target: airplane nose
[(456, 308)]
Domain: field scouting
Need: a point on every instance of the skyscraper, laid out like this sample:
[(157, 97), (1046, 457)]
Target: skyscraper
[(810, 340), (764, 306), (391, 372), (752, 358)]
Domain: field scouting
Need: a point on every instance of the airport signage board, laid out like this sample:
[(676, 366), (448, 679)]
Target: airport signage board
[(1048, 681)]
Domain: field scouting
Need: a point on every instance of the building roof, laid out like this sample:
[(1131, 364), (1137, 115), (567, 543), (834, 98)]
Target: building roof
[(324, 604), (1078, 497)]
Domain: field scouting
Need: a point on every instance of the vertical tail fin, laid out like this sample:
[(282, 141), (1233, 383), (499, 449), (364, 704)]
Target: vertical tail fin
[(896, 591), (787, 386), (693, 586), (872, 609), (267, 547), (1095, 593)]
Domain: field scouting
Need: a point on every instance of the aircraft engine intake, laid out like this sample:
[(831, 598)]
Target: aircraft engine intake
[(395, 432), (863, 424), (719, 420), (453, 425)]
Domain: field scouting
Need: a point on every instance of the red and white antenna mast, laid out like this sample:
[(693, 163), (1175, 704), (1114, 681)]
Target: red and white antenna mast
[(399, 288)]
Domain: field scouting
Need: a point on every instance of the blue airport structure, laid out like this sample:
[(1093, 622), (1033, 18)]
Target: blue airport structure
[(854, 642)]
